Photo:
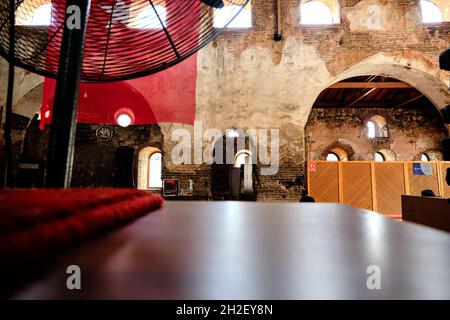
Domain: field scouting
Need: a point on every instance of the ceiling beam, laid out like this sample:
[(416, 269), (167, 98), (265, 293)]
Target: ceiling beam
[(342, 104), (370, 85), (364, 104)]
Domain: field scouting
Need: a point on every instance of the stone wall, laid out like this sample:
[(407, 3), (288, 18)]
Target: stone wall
[(411, 132), (94, 159)]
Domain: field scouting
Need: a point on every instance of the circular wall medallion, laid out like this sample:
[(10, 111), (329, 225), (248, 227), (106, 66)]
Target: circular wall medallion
[(104, 134)]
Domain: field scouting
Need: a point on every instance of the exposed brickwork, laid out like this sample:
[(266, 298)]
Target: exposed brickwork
[(411, 132)]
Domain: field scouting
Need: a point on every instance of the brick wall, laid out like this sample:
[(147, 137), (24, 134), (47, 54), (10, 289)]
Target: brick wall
[(411, 132)]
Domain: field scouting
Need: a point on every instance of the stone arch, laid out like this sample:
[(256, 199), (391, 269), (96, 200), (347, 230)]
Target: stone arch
[(246, 152), (380, 124), (388, 155), (343, 151), (420, 74), (329, 8), (433, 155), (417, 74), (143, 166), (248, 168), (413, 68), (341, 154), (242, 143), (223, 164)]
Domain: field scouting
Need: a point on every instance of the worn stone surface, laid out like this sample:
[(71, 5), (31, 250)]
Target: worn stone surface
[(411, 132)]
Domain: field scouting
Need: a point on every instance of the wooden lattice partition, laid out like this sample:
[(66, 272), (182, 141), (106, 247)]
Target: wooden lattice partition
[(356, 186), (389, 183), (324, 182), (375, 186), (444, 186)]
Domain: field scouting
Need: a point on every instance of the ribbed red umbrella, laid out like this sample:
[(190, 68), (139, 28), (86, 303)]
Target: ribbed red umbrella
[(125, 38)]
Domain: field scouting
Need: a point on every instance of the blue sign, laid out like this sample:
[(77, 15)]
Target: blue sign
[(422, 169)]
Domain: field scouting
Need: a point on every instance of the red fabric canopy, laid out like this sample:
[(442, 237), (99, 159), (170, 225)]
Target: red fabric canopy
[(168, 96)]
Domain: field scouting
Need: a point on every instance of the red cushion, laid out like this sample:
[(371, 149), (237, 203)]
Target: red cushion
[(36, 223)]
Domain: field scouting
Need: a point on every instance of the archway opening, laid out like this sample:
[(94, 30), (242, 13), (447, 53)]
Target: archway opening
[(337, 154), (332, 157), (372, 113), (243, 162), (385, 155), (150, 169), (434, 11), (379, 157), (432, 155), (377, 127), (233, 170), (316, 12)]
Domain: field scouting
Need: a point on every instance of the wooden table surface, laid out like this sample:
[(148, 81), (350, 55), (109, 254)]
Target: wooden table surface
[(231, 250)]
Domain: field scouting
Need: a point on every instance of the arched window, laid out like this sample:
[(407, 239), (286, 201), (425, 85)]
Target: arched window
[(337, 154), (314, 12), (432, 155), (379, 157), (149, 169), (147, 18), (377, 127), (240, 160), (371, 129), (243, 20), (430, 12), (424, 157), (154, 171), (243, 161), (385, 155), (332, 157), (41, 16)]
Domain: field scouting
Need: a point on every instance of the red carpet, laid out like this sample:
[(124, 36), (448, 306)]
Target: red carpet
[(35, 223)]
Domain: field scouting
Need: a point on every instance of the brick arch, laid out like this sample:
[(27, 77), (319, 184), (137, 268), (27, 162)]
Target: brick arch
[(143, 165), (332, 5), (388, 154), (345, 60), (411, 67), (382, 128), (338, 145), (433, 155)]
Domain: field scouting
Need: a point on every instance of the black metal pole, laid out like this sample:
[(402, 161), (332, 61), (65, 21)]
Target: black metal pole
[(63, 126), (10, 97)]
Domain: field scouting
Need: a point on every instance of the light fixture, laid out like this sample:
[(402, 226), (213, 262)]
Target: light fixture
[(124, 117), (124, 120)]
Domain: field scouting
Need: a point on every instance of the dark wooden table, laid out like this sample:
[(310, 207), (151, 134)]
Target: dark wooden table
[(231, 250)]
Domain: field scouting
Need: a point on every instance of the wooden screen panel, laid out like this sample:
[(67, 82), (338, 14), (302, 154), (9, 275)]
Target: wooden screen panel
[(357, 184), (324, 182), (445, 186), (418, 183), (389, 187)]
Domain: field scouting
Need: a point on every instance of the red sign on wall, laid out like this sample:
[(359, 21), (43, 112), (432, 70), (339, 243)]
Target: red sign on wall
[(312, 166)]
